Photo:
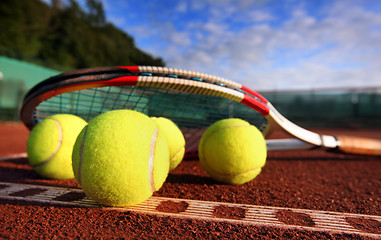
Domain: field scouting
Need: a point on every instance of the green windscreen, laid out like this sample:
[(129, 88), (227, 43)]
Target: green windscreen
[(330, 108)]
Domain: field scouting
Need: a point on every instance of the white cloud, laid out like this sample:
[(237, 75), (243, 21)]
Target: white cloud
[(181, 7), (250, 42), (342, 48), (259, 16)]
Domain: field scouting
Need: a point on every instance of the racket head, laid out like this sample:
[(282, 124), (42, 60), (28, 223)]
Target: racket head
[(192, 100)]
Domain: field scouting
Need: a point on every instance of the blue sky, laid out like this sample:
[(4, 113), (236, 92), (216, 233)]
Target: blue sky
[(263, 44)]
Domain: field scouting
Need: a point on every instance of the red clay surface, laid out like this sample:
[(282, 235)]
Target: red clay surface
[(315, 180)]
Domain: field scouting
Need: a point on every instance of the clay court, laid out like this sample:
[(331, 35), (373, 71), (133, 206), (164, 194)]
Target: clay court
[(304, 194)]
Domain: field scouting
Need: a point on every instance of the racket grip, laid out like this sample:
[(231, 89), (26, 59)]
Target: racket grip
[(358, 145)]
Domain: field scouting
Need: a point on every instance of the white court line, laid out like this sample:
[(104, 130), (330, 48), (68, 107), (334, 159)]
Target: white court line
[(13, 156), (323, 221)]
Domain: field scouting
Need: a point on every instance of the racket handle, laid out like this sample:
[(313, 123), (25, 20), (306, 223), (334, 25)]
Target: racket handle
[(358, 145)]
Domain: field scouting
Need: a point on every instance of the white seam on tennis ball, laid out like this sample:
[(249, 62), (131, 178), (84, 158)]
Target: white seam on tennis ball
[(80, 157), (178, 152), (57, 148), (151, 160)]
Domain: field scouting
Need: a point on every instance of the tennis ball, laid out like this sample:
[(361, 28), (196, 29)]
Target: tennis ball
[(232, 151), (50, 145), (175, 140), (120, 158)]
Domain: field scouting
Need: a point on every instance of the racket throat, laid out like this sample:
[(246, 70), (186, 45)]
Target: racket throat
[(310, 139)]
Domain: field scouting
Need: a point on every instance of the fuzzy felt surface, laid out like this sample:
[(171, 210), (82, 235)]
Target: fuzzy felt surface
[(111, 158), (175, 139), (232, 151), (50, 145)]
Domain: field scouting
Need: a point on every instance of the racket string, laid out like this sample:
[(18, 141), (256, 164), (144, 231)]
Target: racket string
[(193, 113)]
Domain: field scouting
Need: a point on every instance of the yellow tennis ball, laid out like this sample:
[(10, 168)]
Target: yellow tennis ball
[(175, 140), (120, 158), (50, 145), (232, 151)]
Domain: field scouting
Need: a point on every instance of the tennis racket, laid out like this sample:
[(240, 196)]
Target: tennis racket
[(191, 99)]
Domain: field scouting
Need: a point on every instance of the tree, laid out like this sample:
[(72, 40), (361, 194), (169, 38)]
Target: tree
[(96, 15), (66, 36)]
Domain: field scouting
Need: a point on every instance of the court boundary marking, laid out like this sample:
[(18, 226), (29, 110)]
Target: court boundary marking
[(323, 221)]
